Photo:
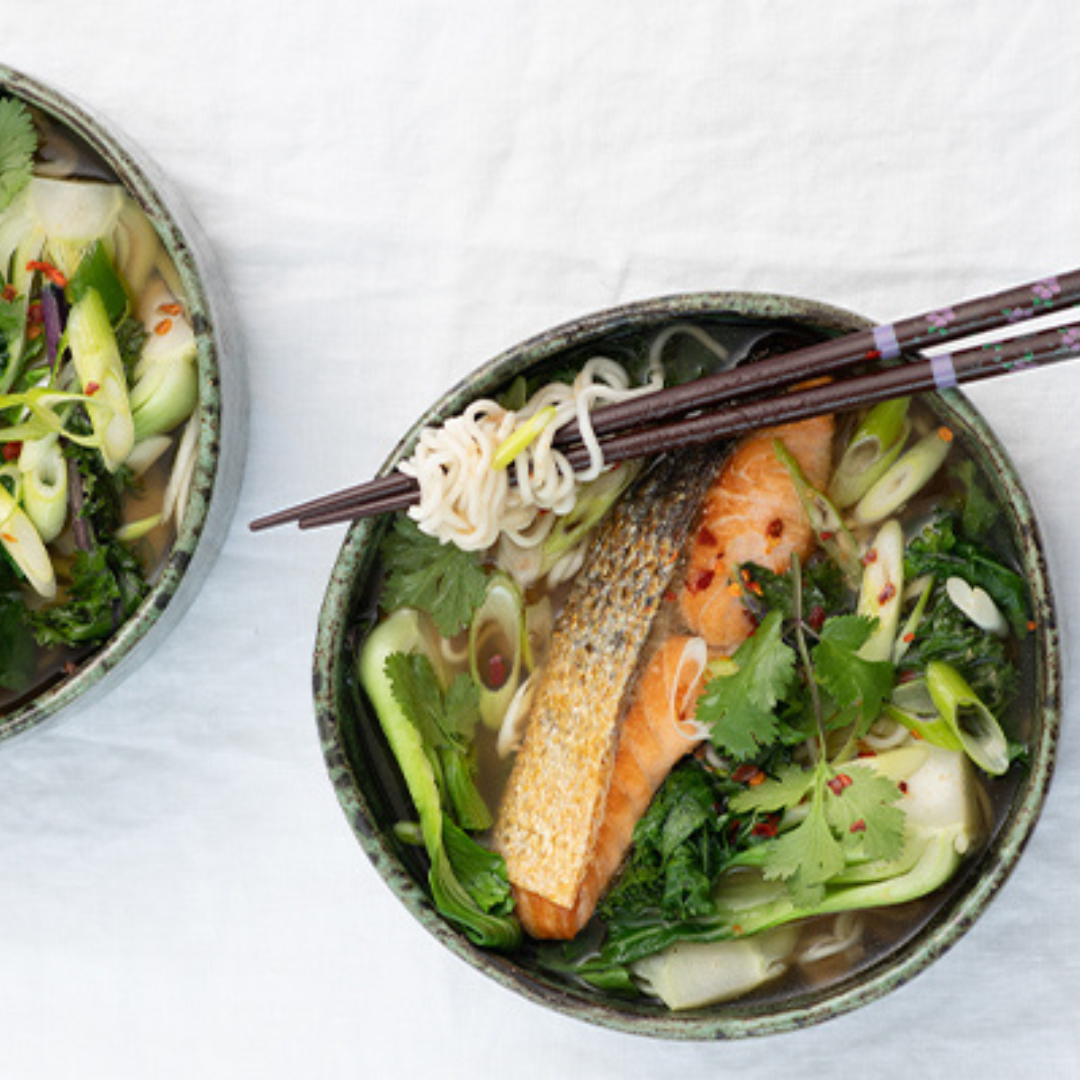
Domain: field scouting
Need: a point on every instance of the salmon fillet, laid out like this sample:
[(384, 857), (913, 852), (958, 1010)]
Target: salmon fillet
[(752, 492), (654, 735), (552, 808), (752, 514)]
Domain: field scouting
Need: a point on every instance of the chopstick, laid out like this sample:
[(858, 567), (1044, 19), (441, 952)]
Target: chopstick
[(635, 428)]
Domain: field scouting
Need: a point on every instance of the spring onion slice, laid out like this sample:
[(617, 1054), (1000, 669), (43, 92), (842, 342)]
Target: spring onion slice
[(24, 544), (522, 437), (882, 590), (874, 446), (824, 518), (905, 478), (969, 719)]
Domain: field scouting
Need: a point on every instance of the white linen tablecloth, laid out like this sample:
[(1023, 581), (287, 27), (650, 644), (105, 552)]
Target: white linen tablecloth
[(397, 190)]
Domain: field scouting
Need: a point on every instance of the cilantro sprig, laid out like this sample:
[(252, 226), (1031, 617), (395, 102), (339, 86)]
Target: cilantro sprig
[(847, 809), (441, 579), (18, 141)]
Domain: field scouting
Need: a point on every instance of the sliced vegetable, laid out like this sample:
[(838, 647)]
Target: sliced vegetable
[(824, 518), (23, 543), (882, 591), (976, 604), (690, 974), (101, 373), (874, 446), (905, 478), (969, 719), (45, 485), (496, 639), (401, 633)]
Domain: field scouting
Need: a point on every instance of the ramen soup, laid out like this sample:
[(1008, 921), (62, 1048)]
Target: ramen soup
[(727, 724), (98, 387)]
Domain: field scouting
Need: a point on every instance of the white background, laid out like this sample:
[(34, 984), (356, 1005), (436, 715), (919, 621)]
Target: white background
[(398, 190)]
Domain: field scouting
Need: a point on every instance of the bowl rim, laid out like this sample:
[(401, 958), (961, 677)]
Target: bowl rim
[(731, 1020), (221, 439)]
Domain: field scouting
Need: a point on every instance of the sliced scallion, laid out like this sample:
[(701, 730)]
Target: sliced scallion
[(874, 446), (905, 478), (881, 594)]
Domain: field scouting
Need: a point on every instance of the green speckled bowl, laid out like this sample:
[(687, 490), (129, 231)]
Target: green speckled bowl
[(223, 429), (373, 796)]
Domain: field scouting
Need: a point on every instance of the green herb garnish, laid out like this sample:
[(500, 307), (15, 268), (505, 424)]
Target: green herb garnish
[(441, 579)]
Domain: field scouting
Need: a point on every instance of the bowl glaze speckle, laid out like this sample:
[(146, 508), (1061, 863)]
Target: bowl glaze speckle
[(222, 435), (372, 796)]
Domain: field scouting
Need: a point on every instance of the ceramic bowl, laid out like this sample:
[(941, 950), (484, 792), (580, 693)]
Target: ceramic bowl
[(222, 434), (373, 797)]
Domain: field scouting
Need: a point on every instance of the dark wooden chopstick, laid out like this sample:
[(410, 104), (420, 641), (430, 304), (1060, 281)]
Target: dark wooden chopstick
[(637, 427), (886, 342)]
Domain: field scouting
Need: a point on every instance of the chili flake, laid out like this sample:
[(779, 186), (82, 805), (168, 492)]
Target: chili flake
[(163, 327), (870, 557), (944, 434), (497, 671), (858, 826), (9, 293), (12, 450), (887, 593), (839, 782), (169, 309), (91, 388), (49, 271)]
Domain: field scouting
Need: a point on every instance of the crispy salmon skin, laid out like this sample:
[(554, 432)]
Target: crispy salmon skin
[(751, 514), (552, 808)]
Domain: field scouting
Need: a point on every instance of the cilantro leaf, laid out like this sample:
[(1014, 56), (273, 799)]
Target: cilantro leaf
[(787, 789), (739, 708), (810, 854), (445, 723), (859, 807), (441, 579), (18, 141), (851, 681)]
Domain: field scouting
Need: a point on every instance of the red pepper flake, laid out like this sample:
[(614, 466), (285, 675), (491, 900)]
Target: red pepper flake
[(826, 536), (839, 782), (767, 829), (8, 538), (92, 388), (1031, 626), (858, 826), (12, 450), (872, 354), (775, 528), (944, 434), (707, 537), (870, 557), (497, 671), (49, 271), (34, 314), (909, 637), (817, 618), (163, 327), (9, 293), (902, 785), (746, 772), (887, 593), (170, 309), (700, 581)]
